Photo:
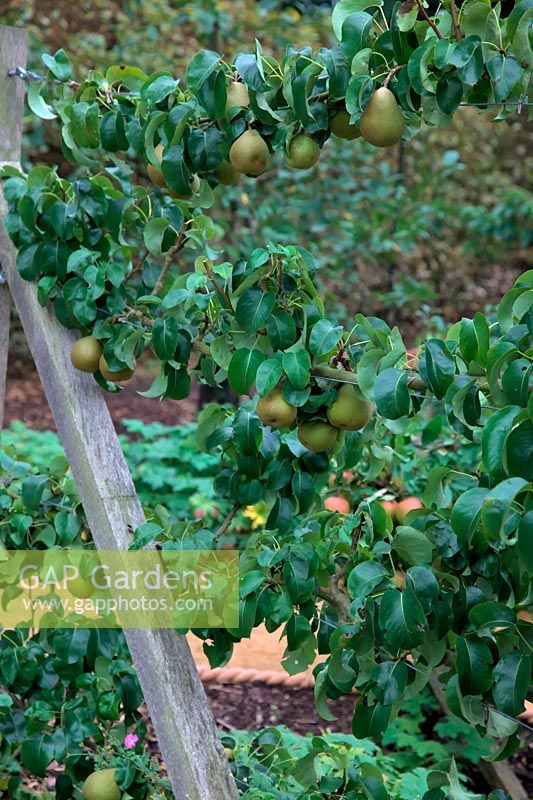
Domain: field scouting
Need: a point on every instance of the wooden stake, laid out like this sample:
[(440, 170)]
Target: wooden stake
[(184, 725)]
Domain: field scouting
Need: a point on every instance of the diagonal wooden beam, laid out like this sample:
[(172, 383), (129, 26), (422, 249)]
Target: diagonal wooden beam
[(184, 724)]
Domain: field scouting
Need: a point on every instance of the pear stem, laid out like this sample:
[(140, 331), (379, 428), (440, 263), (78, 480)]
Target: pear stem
[(391, 72), (428, 19)]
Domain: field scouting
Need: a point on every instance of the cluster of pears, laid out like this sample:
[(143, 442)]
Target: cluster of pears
[(382, 122), (87, 355), (101, 785), (349, 412), (399, 509)]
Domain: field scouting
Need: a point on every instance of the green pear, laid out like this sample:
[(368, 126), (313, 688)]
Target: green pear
[(342, 127), (154, 173), (101, 785), (85, 354), (382, 122), (249, 153), (349, 411), (237, 96), (303, 152), (275, 411), (227, 174), (115, 377), (317, 436)]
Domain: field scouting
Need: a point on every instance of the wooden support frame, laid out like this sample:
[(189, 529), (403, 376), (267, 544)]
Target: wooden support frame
[(185, 728)]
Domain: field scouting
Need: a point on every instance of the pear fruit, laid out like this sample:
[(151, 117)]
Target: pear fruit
[(342, 127), (317, 436), (403, 507), (227, 174), (237, 95), (85, 354), (249, 153), (274, 410), (81, 587), (101, 785), (389, 506), (115, 377), (349, 411), (338, 504), (303, 152), (154, 173), (382, 122)]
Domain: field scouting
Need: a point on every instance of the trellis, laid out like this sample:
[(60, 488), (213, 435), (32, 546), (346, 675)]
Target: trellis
[(185, 728)]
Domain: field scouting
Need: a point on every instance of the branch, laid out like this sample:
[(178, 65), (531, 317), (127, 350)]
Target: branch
[(344, 376), (392, 72), (455, 21), (226, 522), (335, 597), (168, 261), (428, 19), (222, 292)]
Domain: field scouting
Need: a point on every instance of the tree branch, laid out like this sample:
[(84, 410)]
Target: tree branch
[(168, 261), (428, 19), (222, 292), (226, 522), (455, 21)]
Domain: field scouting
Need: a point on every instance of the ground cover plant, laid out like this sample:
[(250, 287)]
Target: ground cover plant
[(388, 600)]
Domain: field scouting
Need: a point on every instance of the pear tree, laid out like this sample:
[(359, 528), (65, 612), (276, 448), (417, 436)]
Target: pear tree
[(125, 253)]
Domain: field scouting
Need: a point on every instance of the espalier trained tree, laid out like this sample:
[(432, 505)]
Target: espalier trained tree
[(103, 249)]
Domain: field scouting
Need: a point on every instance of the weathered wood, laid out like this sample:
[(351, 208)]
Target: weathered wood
[(5, 316), (184, 725)]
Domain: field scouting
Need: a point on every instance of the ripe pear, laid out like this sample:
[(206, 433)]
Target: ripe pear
[(274, 410), (154, 173), (101, 785), (85, 354), (338, 504), (342, 127), (81, 587), (227, 174), (317, 436), (349, 411), (237, 96), (403, 507), (115, 377), (303, 152), (389, 506), (249, 153), (382, 122)]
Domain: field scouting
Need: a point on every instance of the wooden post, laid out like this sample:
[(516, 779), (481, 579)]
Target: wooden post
[(185, 728), (5, 317)]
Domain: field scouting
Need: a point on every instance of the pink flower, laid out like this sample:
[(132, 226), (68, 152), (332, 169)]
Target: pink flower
[(130, 741)]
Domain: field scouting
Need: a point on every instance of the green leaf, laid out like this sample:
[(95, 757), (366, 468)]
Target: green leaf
[(200, 68), (474, 666), (364, 578), (303, 488), (525, 541), (449, 93), (466, 513), (32, 491), (519, 451), (297, 367), (370, 721), (437, 367), (491, 615), (243, 369), (37, 103), (254, 308), (402, 619), (391, 394), (58, 64), (512, 675), (159, 235), (37, 752), (344, 8), (505, 72), (84, 122), (412, 545), (165, 338), (324, 337), (391, 680), (281, 330), (268, 376), (494, 438)]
